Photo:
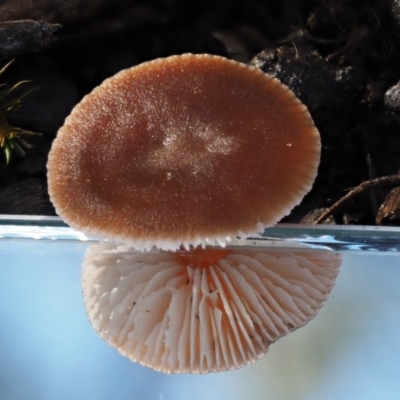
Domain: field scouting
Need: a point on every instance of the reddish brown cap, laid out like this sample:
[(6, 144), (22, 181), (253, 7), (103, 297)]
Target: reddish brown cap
[(187, 149), (205, 310)]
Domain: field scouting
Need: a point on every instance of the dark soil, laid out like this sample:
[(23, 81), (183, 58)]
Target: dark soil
[(340, 57)]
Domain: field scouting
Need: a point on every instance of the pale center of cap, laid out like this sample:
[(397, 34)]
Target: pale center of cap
[(191, 149)]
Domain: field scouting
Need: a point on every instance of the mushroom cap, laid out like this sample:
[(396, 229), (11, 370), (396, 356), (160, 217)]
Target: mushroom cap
[(204, 310), (189, 149)]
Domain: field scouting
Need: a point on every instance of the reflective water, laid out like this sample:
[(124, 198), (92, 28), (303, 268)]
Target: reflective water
[(48, 350)]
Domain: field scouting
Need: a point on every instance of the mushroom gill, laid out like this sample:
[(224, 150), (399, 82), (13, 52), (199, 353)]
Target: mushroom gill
[(202, 310)]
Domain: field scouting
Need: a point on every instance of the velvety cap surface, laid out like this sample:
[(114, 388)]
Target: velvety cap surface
[(187, 149), (207, 311)]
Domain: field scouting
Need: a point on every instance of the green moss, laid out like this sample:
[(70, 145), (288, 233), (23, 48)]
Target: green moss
[(11, 142)]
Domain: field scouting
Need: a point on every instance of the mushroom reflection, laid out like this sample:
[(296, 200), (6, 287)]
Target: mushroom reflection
[(202, 310)]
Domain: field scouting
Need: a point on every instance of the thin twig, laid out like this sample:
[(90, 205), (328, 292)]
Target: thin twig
[(375, 195), (363, 187)]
